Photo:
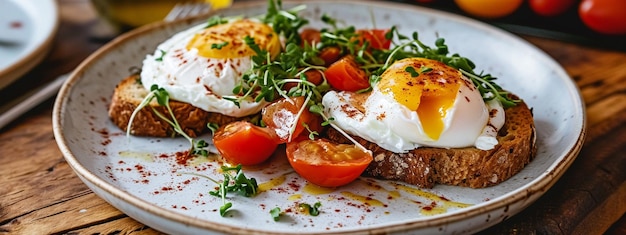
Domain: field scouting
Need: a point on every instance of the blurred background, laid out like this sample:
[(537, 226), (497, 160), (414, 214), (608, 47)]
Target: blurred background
[(598, 23)]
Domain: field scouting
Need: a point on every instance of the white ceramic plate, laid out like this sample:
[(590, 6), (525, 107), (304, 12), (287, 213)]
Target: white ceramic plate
[(142, 178), (26, 32)]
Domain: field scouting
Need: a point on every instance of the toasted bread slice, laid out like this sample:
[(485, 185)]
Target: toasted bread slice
[(469, 167), (129, 93)]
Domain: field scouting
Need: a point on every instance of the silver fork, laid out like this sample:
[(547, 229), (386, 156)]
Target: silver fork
[(183, 10), (17, 107)]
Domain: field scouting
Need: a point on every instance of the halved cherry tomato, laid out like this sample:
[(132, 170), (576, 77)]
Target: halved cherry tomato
[(280, 116), (244, 143), (376, 38), (327, 164), (550, 7), (330, 55), (346, 75), (310, 36), (604, 16)]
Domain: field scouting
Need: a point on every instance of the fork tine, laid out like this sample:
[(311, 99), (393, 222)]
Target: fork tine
[(183, 10)]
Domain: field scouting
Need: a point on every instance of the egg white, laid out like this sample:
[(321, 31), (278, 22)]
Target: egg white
[(199, 81), (394, 127)]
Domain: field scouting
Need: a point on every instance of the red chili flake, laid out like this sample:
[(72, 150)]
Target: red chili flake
[(103, 132), (183, 157), (16, 24), (208, 89), (493, 113), (294, 186)]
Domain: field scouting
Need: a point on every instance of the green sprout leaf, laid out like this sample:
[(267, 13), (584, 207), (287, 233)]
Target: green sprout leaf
[(312, 210), (411, 70), (216, 20), (234, 181), (276, 213), (218, 45), (160, 58)]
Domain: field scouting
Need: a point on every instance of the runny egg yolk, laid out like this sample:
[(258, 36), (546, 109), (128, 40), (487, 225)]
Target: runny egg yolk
[(428, 87), (226, 41)]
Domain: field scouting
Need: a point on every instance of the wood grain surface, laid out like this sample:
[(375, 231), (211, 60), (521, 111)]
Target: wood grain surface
[(40, 194)]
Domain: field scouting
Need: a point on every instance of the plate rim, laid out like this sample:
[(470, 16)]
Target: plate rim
[(35, 55), (543, 182)]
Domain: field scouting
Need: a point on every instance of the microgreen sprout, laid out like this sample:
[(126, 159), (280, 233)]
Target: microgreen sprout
[(311, 210), (319, 109), (216, 20), (212, 127), (312, 133), (162, 97), (425, 69), (160, 58), (235, 181), (199, 148), (218, 45), (411, 70), (276, 213)]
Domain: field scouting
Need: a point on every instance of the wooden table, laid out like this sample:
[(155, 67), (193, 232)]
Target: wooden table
[(40, 194)]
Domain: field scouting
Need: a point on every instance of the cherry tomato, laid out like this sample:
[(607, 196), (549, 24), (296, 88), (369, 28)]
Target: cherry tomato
[(310, 36), (550, 7), (244, 143), (330, 55), (313, 76), (489, 8), (604, 16), (327, 164), (346, 75), (376, 38), (280, 116)]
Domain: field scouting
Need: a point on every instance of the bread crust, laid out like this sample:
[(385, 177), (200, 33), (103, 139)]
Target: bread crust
[(128, 95), (469, 167)]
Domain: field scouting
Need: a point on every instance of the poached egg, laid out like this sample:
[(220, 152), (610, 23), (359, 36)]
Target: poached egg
[(418, 102), (203, 64)]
